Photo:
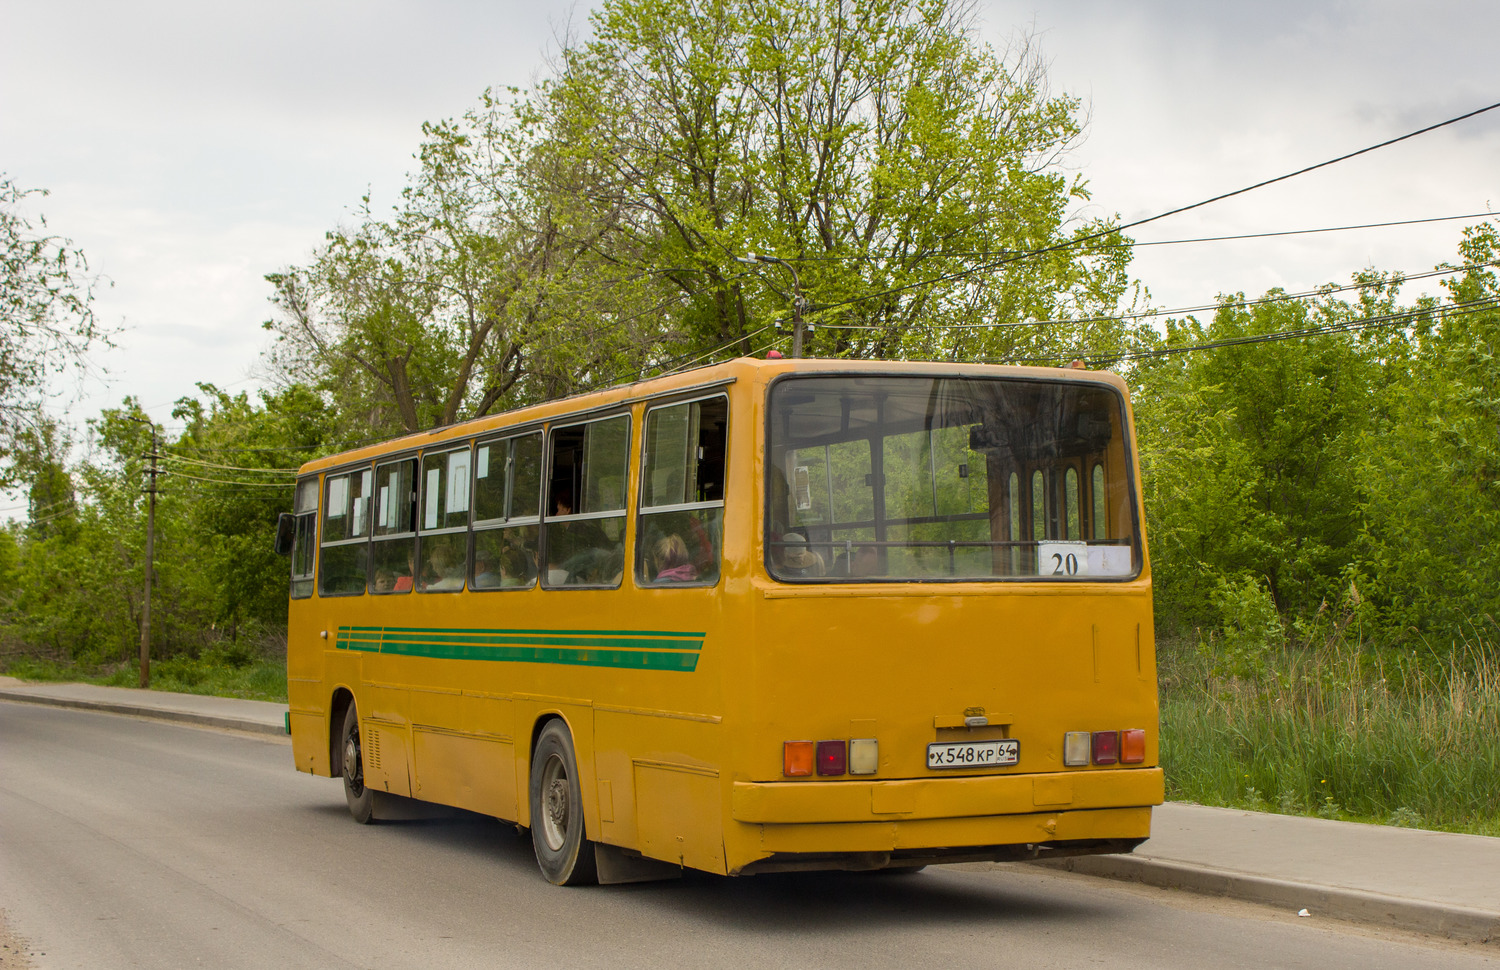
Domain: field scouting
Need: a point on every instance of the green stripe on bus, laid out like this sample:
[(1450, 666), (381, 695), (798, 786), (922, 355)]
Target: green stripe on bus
[(529, 646), (678, 634)]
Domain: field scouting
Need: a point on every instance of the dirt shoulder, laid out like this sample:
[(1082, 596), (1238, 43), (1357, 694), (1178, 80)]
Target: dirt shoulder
[(15, 952)]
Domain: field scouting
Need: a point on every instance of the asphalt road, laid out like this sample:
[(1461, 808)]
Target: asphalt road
[(133, 843)]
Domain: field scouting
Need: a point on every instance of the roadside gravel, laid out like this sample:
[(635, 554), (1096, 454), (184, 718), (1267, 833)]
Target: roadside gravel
[(15, 953)]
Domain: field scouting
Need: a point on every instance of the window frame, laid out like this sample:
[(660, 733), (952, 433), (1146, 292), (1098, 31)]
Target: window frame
[(348, 474), (377, 537), (549, 519), (1051, 480), (305, 537), (509, 439), (424, 502), (642, 510)]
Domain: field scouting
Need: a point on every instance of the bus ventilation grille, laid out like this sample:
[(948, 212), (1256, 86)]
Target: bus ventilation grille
[(372, 751)]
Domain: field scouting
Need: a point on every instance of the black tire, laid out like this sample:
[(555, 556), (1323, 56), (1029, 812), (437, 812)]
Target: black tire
[(563, 850), (361, 799)]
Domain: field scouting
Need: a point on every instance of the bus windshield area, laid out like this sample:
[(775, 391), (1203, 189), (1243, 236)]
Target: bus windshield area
[(928, 479)]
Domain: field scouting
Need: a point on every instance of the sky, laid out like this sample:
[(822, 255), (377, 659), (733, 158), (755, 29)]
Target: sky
[(190, 148)]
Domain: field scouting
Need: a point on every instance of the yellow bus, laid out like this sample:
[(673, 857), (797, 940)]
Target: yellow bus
[(766, 615)]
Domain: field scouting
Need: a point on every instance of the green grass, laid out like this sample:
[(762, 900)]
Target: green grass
[(212, 673), (1339, 733)]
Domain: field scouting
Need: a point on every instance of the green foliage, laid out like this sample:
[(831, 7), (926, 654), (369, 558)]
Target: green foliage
[(1430, 473), (1251, 628), (75, 572), (47, 321), (1253, 448)]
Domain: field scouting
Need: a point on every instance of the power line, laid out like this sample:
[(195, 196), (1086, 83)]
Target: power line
[(1346, 326), (218, 481), (1203, 308), (1307, 232), (988, 253), (231, 468), (1078, 241)]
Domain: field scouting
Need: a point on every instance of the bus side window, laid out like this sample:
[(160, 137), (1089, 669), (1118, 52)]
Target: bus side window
[(346, 534), (304, 541), (507, 507), (444, 521), (679, 534), (584, 531), (395, 537)]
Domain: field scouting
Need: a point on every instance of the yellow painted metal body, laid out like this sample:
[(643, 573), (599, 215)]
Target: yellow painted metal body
[(685, 765)]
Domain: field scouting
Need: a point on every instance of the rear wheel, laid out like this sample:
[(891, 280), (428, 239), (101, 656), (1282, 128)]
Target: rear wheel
[(563, 851), (361, 799)]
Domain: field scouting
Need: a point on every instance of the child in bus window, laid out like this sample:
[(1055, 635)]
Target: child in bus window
[(673, 565)]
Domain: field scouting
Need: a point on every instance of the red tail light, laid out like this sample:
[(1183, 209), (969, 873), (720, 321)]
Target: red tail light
[(832, 757), (1106, 747)]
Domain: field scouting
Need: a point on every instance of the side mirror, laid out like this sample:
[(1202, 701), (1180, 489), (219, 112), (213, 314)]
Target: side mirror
[(286, 533)]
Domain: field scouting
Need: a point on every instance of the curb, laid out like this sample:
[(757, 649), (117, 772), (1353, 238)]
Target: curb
[(1454, 922), (154, 713)]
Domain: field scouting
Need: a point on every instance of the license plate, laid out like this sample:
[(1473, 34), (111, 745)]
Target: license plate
[(974, 754)]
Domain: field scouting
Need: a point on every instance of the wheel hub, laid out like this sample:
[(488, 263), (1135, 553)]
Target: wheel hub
[(556, 808), (557, 803), (353, 770)]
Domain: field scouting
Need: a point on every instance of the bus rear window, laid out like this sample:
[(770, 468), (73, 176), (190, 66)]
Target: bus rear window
[(911, 478)]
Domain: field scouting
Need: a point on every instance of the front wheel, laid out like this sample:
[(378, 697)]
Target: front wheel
[(562, 850), (361, 799)]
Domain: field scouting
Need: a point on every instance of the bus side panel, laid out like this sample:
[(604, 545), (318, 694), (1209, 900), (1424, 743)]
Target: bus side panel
[(680, 823), (463, 740), (476, 773), (307, 697)]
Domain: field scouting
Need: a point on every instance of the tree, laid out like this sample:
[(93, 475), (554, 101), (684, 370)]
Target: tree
[(75, 573), (442, 312), (1430, 470), (905, 168), (593, 228), (47, 321), (232, 471), (1249, 451)]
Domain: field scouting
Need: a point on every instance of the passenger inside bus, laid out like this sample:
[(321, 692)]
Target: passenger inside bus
[(673, 564), (797, 559), (442, 572)]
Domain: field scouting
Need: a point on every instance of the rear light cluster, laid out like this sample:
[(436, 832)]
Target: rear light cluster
[(1104, 747), (800, 759)]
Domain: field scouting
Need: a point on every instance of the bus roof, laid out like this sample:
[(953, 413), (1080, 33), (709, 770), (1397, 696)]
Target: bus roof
[(712, 375)]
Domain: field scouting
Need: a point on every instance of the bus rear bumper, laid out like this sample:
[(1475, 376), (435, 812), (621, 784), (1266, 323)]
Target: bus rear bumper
[(875, 825), (822, 802), (919, 842)]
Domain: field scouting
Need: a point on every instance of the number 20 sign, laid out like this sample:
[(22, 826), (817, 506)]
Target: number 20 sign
[(1062, 558)]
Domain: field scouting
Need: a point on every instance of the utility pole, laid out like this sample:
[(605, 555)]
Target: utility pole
[(154, 456), (799, 305)]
